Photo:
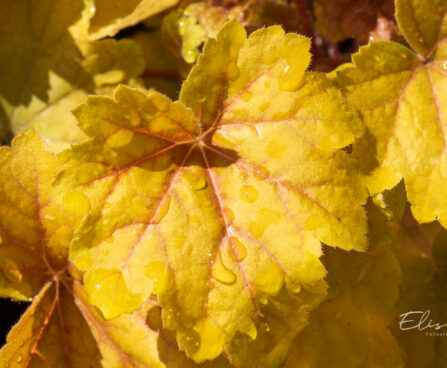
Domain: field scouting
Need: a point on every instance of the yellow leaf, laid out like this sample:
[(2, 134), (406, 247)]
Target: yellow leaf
[(195, 200), (110, 16), (49, 67), (401, 96)]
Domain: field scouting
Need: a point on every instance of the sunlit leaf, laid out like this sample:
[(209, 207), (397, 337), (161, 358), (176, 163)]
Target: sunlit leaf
[(49, 67), (193, 200), (401, 96), (110, 16)]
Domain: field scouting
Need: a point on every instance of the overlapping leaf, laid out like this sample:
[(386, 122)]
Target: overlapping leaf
[(401, 95), (110, 16), (195, 200), (60, 328), (351, 327), (48, 67)]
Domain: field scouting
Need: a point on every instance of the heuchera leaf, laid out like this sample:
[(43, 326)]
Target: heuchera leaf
[(49, 67), (402, 96), (110, 16), (60, 328), (351, 327), (196, 200)]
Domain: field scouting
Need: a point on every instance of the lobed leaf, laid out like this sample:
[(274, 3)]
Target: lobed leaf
[(401, 96), (195, 200), (49, 67)]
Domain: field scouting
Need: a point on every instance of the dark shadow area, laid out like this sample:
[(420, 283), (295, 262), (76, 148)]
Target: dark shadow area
[(10, 313)]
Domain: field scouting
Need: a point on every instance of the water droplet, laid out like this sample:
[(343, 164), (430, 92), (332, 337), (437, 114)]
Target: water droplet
[(243, 176), (48, 217), (162, 210), (289, 80), (76, 202), (107, 289), (156, 271), (264, 106), (92, 10), (107, 205), (444, 65), (120, 138), (265, 327), (222, 273), (275, 148), (236, 250), (261, 173), (404, 56), (248, 193), (189, 341), (105, 252), (264, 218), (229, 215), (196, 180), (247, 96), (19, 358)]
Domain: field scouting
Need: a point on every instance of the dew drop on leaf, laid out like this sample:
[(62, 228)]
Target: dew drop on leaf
[(248, 193), (236, 250), (156, 271), (222, 273), (264, 218), (76, 202), (107, 288), (229, 215), (275, 148), (247, 96), (120, 138), (261, 173), (19, 358)]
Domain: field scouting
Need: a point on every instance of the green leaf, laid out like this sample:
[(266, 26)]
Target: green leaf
[(193, 200), (401, 96)]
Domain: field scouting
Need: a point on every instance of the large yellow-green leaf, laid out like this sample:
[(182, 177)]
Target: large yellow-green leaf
[(110, 16), (60, 328), (48, 67), (215, 202), (402, 96)]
